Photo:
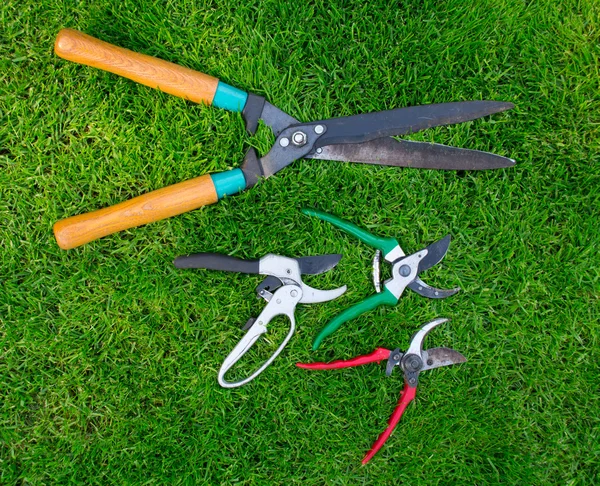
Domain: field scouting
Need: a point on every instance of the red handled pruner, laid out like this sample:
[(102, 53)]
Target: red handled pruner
[(412, 362)]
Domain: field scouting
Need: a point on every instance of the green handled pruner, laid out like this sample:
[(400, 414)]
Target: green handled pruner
[(405, 272)]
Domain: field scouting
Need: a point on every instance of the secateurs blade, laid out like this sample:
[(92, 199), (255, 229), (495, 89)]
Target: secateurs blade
[(283, 289), (361, 138), (411, 362), (405, 272)]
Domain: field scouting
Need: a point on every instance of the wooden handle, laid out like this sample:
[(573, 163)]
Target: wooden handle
[(150, 71), (154, 206)]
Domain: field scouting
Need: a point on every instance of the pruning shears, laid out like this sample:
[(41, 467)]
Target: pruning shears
[(364, 138), (411, 362), (405, 272), (283, 289)]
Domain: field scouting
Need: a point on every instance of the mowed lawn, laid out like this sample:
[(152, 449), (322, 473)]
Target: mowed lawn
[(109, 354)]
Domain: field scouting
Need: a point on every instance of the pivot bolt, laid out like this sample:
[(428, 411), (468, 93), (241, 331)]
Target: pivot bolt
[(413, 363), (405, 270), (299, 139)]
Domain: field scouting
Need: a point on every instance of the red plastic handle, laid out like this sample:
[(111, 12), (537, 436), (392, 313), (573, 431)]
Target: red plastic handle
[(408, 395), (375, 357)]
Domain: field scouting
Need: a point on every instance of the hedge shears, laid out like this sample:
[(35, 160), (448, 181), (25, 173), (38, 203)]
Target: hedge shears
[(405, 272), (362, 138), (411, 362), (283, 289)]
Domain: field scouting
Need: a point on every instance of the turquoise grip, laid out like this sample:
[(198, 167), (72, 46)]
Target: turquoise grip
[(384, 244), (229, 183), (370, 303), (229, 98)]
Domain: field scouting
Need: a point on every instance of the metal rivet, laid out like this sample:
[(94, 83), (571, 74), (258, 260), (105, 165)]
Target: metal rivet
[(405, 270), (284, 142), (319, 150), (294, 293), (429, 362), (279, 301), (319, 129)]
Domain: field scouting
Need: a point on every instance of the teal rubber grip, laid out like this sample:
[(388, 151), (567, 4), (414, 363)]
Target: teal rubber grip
[(229, 183), (229, 98), (370, 303), (384, 244)]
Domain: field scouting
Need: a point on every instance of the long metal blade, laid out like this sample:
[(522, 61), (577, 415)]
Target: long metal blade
[(435, 253), (401, 121), (437, 357), (418, 155)]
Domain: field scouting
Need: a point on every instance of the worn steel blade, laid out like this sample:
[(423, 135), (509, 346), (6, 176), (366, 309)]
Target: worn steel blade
[(435, 253), (437, 357), (418, 155), (314, 265)]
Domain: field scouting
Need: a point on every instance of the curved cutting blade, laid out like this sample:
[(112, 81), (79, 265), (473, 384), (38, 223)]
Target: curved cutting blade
[(437, 357), (315, 296), (314, 265), (435, 253), (416, 342), (421, 288)]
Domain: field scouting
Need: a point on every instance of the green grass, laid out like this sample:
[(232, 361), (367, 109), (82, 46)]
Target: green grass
[(109, 355)]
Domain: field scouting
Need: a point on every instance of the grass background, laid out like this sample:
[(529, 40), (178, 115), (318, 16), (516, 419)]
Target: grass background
[(109, 355)]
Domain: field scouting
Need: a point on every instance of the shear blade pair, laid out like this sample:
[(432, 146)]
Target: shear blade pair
[(363, 138)]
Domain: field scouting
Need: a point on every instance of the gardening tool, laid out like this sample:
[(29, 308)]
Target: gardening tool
[(283, 289), (412, 362), (360, 138), (405, 272)]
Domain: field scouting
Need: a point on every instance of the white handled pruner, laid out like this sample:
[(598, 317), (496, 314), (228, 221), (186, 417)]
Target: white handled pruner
[(283, 289)]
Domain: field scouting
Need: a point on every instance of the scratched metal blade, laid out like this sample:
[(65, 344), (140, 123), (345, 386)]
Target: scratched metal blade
[(435, 253), (437, 357), (314, 265), (418, 155)]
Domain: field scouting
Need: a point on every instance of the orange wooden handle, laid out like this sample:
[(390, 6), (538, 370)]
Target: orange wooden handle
[(154, 206), (168, 77)]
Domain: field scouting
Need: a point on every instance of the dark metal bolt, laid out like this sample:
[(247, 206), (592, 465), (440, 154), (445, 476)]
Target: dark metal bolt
[(405, 270), (413, 363)]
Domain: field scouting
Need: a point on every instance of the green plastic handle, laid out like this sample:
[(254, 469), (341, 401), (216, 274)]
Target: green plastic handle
[(370, 303), (384, 244)]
